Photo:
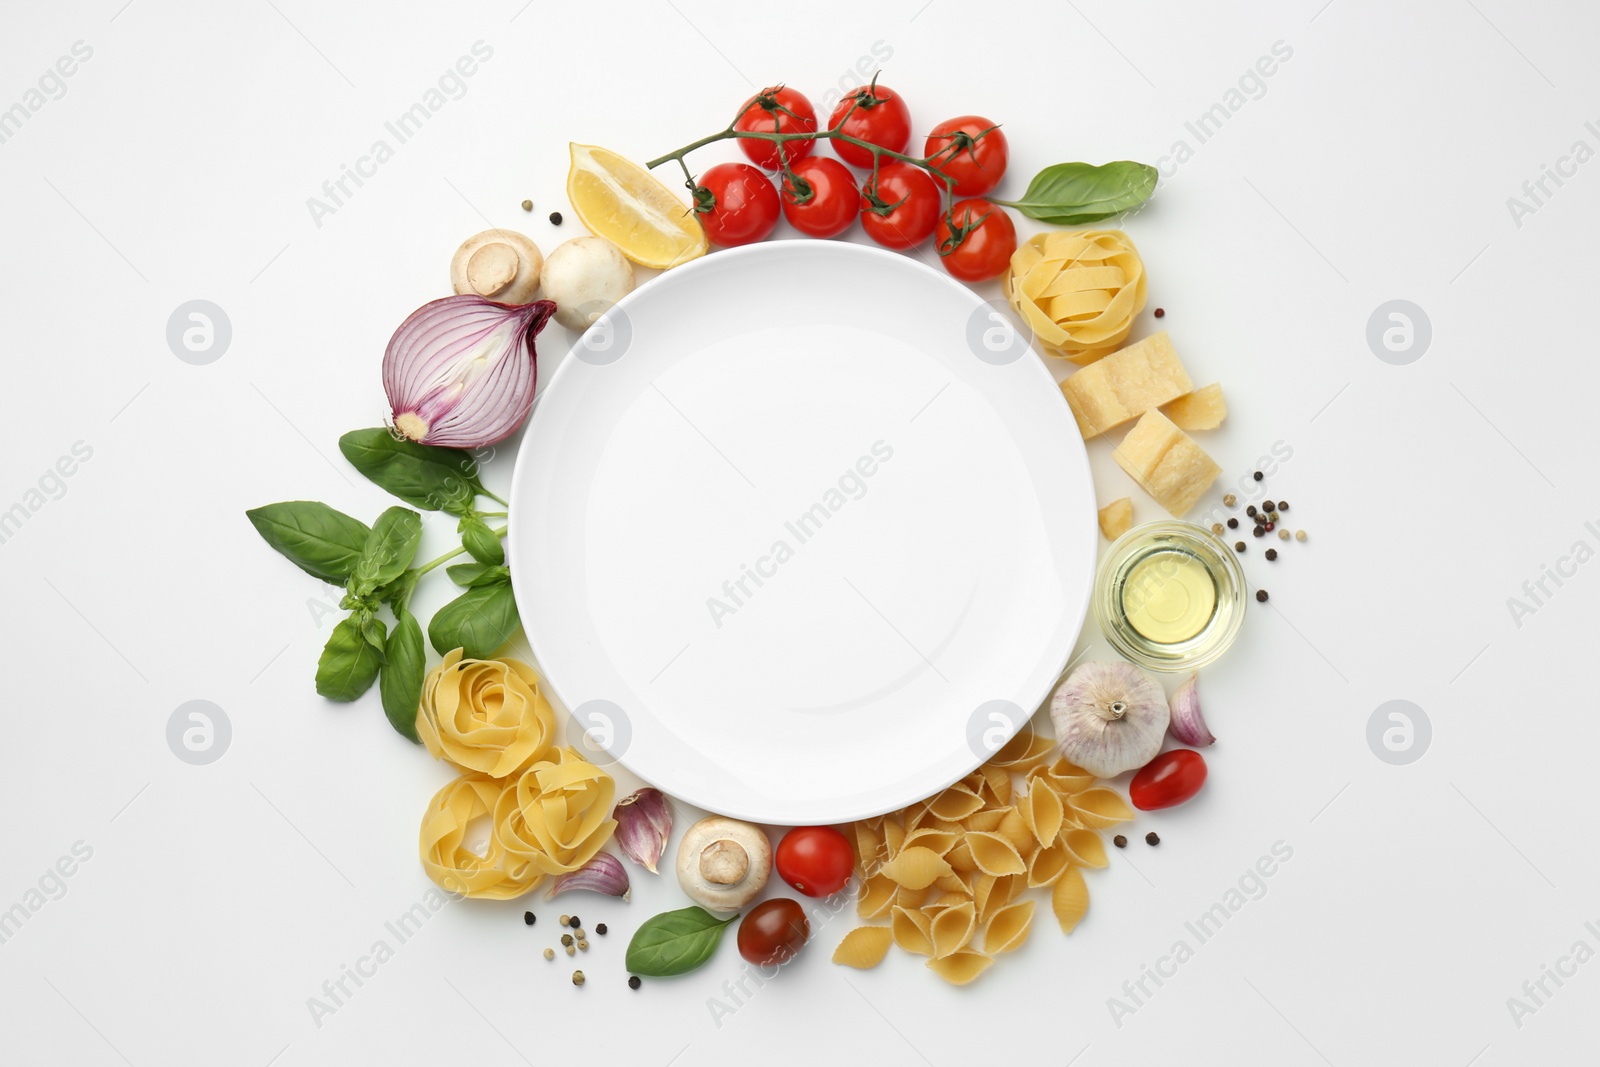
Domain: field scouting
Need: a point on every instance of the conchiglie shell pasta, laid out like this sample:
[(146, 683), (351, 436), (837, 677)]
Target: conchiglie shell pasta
[(1009, 928), (910, 929), (961, 967), (1048, 864), (1070, 899), (953, 883), (995, 854), (875, 896), (988, 819), (960, 857), (916, 867), (952, 929), (1100, 808), (864, 947), (956, 803), (870, 850), (894, 836), (1023, 750), (1014, 828), (997, 781), (1041, 809), (940, 841), (1086, 847)]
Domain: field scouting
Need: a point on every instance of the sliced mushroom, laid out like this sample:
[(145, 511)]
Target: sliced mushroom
[(500, 264), (723, 863)]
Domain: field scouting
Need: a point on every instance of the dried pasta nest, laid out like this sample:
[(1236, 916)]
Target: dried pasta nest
[(949, 874), (1078, 290)]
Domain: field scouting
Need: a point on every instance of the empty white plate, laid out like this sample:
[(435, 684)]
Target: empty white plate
[(801, 532)]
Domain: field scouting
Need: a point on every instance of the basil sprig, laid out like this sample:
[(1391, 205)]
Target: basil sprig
[(375, 565), (1071, 194), (675, 942)]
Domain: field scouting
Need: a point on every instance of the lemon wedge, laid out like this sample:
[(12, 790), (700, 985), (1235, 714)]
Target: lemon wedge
[(620, 201)]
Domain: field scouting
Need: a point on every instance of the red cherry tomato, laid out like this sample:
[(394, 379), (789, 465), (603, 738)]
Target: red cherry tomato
[(971, 150), (736, 204), (980, 244), (1168, 780), (817, 860), (773, 931), (776, 109), (827, 202), (875, 114), (902, 208)]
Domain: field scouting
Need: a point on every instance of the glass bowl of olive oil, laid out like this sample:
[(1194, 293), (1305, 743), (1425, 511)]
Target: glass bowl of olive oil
[(1170, 596)]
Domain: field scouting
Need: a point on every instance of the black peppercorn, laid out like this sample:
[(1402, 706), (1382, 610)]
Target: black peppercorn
[(1120, 841), (1258, 476), (1258, 531), (1152, 838), (1261, 596), (528, 918), (1267, 505), (574, 922), (633, 981), (1238, 546), (1250, 511), (1283, 505), (1233, 524), (1272, 553), (555, 218), (600, 929)]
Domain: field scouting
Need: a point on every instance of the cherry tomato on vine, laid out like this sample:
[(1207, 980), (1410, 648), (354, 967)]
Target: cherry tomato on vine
[(817, 860), (776, 109), (871, 113), (980, 244), (828, 200), (971, 150), (901, 209), (1168, 780), (736, 204), (773, 932)]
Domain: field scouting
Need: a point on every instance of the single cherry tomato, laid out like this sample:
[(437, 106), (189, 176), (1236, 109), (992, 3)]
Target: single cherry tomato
[(817, 860), (901, 208), (971, 150), (736, 204), (825, 200), (980, 244), (773, 931), (875, 114), (776, 109), (1168, 780)]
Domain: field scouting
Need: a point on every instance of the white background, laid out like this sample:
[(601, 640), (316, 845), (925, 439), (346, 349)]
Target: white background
[(1376, 165)]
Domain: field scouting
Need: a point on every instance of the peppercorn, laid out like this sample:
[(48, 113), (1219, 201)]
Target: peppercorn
[(1233, 524), (527, 205), (529, 918), (1269, 527), (1230, 500), (566, 939), (1216, 527), (1120, 841), (1267, 505), (1299, 535), (564, 920), (1161, 313), (1272, 553), (577, 978), (633, 981), (555, 218), (1283, 533), (580, 935), (1258, 476), (572, 950), (1238, 546), (583, 944), (1250, 511), (1152, 838), (549, 953), (600, 928), (1272, 516), (1261, 596), (1283, 505), (574, 922), (1258, 531)]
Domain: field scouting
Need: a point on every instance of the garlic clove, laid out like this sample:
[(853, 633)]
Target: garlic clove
[(603, 874), (1187, 724), (644, 822), (1109, 718)]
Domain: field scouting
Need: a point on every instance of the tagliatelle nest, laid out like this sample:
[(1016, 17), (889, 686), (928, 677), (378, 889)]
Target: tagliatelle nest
[(953, 866), (485, 715), (1078, 290)]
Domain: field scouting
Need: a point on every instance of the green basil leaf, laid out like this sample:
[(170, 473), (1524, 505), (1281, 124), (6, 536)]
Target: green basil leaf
[(471, 575), (1069, 194), (675, 942), (388, 550), (478, 621), (480, 542), (314, 537), (424, 476), (400, 683), (349, 664)]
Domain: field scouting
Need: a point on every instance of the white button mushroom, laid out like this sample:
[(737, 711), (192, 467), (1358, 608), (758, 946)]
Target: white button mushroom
[(585, 276), (499, 264), (723, 863)]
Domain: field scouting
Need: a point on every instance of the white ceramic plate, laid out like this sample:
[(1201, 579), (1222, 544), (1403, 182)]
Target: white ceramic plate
[(788, 546)]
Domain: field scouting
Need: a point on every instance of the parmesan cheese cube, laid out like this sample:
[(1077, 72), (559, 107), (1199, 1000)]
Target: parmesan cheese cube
[(1203, 409), (1126, 384), (1116, 517), (1166, 463)]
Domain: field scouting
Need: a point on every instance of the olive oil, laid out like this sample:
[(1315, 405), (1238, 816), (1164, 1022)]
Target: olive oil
[(1168, 596)]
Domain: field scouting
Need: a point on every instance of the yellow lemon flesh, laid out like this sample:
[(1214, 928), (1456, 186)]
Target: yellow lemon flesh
[(620, 201)]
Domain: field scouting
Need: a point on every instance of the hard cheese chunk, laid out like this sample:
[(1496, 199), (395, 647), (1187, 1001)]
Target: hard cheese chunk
[(1126, 384), (1166, 462), (1116, 517), (1203, 409)]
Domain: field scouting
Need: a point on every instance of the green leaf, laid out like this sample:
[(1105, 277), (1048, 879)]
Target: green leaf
[(675, 942), (478, 621), (471, 575), (319, 540), (481, 543), (388, 551), (400, 684), (349, 663), (424, 476), (1069, 194)]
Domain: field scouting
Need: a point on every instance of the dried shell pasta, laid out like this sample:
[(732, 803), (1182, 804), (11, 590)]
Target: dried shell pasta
[(1100, 808), (952, 929), (864, 947), (995, 854), (1086, 847), (1070, 899), (961, 967), (1009, 928), (1042, 810), (916, 867)]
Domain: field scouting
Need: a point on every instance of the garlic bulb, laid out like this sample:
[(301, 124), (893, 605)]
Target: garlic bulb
[(1109, 718)]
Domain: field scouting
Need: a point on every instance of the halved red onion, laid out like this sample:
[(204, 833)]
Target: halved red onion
[(460, 371)]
